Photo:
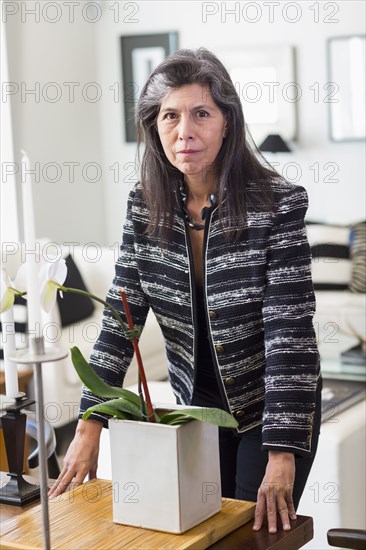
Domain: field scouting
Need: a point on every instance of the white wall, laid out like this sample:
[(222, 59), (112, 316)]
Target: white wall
[(93, 132), (61, 131)]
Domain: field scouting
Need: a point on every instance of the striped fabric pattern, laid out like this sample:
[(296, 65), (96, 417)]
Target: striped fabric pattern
[(261, 291), (331, 261), (358, 255)]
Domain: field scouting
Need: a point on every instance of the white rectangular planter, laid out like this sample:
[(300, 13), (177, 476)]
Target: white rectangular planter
[(165, 478)]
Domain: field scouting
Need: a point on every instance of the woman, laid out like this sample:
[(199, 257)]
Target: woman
[(214, 242)]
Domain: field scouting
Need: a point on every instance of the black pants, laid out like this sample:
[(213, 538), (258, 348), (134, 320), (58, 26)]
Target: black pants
[(243, 463)]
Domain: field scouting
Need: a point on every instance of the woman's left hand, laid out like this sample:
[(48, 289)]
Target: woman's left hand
[(275, 492)]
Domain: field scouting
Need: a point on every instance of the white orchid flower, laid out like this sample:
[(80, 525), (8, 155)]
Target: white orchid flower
[(8, 291), (51, 276)]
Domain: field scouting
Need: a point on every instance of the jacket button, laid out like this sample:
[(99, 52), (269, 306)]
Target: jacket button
[(229, 381), (212, 314), (239, 413), (219, 348)]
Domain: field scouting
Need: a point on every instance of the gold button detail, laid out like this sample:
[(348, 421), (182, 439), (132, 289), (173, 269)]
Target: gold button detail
[(239, 413), (212, 314), (229, 381), (219, 348)]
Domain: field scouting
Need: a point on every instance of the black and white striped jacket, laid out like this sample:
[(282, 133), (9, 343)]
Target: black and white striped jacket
[(260, 305)]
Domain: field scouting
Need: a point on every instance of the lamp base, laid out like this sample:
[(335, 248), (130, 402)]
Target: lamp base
[(18, 492)]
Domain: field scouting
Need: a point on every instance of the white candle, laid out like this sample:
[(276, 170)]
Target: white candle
[(8, 341), (30, 255)]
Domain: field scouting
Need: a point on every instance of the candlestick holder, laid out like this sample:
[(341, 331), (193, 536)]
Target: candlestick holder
[(17, 491)]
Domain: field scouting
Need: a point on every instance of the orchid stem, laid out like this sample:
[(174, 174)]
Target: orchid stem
[(150, 409), (141, 395)]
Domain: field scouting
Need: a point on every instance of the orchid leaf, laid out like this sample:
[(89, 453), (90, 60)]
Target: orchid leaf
[(209, 415), (95, 384), (180, 420), (124, 402), (157, 417), (121, 408), (173, 416), (104, 408)]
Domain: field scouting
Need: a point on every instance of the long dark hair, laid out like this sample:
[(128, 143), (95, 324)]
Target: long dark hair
[(237, 164)]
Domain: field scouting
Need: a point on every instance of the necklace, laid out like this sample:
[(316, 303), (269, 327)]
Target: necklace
[(198, 225)]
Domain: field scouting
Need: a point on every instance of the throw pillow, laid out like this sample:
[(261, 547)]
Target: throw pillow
[(74, 307), (358, 256), (331, 261)]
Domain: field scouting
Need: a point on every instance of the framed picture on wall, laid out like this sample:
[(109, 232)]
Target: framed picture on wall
[(346, 75), (266, 82), (140, 55)]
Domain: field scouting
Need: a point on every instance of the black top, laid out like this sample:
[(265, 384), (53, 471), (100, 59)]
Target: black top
[(207, 392)]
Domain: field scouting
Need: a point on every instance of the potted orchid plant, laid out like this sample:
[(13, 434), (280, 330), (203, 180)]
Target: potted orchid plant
[(165, 463)]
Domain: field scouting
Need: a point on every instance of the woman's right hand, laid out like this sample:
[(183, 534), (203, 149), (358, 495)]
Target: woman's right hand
[(81, 458)]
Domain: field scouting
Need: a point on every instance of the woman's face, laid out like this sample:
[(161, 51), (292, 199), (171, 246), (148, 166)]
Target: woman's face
[(191, 128)]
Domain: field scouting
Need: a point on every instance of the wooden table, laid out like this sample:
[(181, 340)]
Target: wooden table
[(93, 521)]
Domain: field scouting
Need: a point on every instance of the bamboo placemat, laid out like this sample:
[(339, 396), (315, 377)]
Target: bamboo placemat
[(82, 519)]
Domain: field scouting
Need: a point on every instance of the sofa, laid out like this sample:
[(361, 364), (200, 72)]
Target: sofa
[(339, 276)]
